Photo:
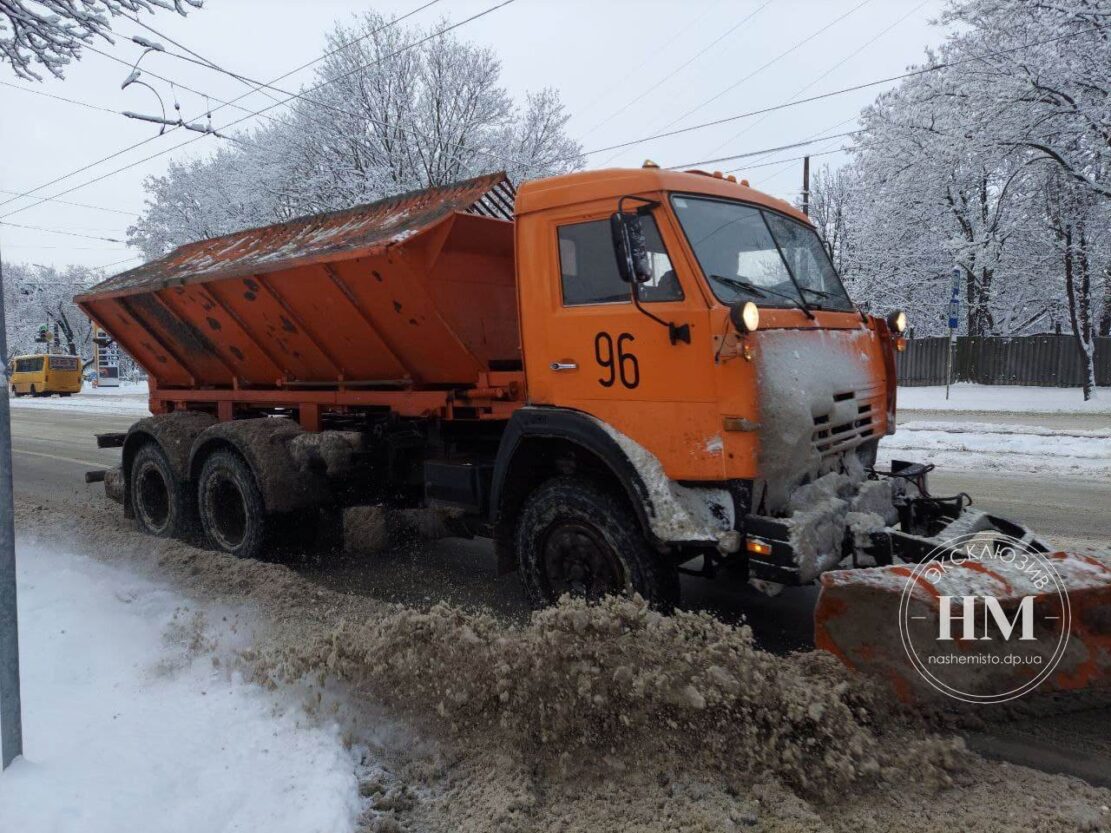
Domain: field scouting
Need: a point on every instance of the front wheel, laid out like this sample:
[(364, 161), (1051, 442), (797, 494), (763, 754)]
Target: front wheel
[(231, 508), (575, 537)]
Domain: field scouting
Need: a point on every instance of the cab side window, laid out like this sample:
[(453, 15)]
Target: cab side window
[(588, 266)]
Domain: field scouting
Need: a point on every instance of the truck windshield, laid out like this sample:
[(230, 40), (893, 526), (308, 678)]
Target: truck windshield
[(751, 254)]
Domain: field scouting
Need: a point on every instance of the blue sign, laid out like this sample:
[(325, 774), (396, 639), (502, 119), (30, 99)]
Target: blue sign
[(955, 299)]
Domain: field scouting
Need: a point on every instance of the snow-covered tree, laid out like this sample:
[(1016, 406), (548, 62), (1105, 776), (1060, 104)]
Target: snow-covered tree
[(830, 200), (37, 296), (998, 163), (1035, 76), (50, 33), (384, 115)]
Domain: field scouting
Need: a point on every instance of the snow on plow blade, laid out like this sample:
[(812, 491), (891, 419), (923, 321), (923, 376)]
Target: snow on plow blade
[(934, 628)]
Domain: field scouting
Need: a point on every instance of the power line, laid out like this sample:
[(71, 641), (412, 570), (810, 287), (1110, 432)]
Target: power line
[(823, 134), (59, 231), (792, 159), (307, 64), (67, 202), (648, 58), (66, 248), (827, 72), (774, 60), (254, 113), (61, 98), (117, 262), (763, 152), (221, 105), (834, 93), (679, 68), (912, 73), (327, 105)]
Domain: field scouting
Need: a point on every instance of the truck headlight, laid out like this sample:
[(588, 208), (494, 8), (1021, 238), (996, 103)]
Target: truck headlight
[(745, 317), (897, 321)]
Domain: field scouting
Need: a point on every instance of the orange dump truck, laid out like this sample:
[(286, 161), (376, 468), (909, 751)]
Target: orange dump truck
[(613, 374)]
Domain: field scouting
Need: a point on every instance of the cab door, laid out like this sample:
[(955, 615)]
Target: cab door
[(588, 347)]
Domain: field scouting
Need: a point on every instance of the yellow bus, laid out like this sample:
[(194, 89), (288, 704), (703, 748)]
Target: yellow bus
[(45, 374)]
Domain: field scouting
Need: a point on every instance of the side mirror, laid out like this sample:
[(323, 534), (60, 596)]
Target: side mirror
[(630, 248)]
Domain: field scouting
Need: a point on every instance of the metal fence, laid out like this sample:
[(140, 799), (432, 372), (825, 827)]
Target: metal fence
[(1048, 360)]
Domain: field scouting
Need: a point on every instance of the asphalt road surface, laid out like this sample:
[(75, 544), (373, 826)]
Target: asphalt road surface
[(53, 449)]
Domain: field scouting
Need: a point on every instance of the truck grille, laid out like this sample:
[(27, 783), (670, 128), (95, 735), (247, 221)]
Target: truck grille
[(852, 421)]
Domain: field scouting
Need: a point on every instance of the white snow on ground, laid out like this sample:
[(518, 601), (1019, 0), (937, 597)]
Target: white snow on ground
[(1024, 399), (127, 399), (1009, 448), (125, 729)]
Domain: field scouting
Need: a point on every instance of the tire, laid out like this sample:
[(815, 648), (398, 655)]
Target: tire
[(230, 505), (159, 500), (32, 391), (574, 536)]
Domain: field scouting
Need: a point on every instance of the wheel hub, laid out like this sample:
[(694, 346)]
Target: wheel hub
[(153, 497), (577, 561), (227, 511)]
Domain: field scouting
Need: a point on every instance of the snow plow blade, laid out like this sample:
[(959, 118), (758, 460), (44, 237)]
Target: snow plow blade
[(888, 622)]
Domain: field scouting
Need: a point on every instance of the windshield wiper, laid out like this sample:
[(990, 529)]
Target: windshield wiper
[(762, 292), (821, 293)]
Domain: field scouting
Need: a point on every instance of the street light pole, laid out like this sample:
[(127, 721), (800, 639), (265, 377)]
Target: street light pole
[(11, 712)]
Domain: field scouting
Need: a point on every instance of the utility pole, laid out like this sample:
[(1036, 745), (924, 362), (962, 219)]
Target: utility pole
[(806, 185), (11, 711)]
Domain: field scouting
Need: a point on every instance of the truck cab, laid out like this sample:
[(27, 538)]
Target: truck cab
[(723, 418)]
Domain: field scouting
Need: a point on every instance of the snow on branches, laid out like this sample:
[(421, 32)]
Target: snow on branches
[(36, 296), (998, 164), (51, 32)]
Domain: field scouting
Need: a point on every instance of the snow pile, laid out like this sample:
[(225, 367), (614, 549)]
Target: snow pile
[(1020, 399), (125, 400), (618, 676), (131, 723), (820, 513)]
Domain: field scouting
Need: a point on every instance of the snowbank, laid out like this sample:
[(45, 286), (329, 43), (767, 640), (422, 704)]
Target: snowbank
[(1011, 448), (127, 400), (130, 724), (1021, 399)]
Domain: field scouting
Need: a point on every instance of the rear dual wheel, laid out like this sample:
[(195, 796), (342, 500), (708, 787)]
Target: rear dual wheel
[(231, 508), (159, 500)]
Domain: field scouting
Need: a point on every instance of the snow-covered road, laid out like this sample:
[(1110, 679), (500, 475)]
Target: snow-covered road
[(984, 446), (1004, 429), (1015, 399), (130, 723), (128, 400)]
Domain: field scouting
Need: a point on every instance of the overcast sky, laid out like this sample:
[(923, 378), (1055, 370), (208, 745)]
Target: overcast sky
[(625, 69)]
